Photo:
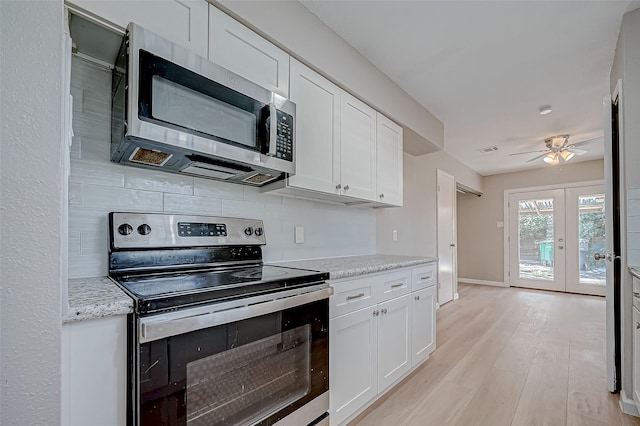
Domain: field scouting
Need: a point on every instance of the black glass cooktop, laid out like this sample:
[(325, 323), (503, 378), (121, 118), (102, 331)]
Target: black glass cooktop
[(164, 291)]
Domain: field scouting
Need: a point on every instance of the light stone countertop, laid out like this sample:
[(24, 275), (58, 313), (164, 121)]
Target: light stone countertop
[(351, 266), (91, 298), (635, 271)]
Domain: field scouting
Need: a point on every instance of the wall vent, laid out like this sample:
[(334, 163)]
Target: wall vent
[(488, 149)]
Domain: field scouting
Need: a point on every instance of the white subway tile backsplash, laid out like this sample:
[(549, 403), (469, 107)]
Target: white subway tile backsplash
[(97, 173), (188, 204), (244, 209), (98, 187), (221, 190), (633, 257), (151, 180), (113, 199), (633, 240), (633, 207)]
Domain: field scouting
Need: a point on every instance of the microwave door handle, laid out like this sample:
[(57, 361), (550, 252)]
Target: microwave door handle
[(273, 130)]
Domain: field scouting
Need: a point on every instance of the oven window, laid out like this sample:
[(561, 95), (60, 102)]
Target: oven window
[(257, 370), (244, 384)]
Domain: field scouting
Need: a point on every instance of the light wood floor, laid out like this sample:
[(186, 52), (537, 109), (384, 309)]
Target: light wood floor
[(509, 356)]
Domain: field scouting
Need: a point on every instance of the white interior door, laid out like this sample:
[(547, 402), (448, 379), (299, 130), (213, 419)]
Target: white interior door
[(586, 236), (537, 240), (447, 275)]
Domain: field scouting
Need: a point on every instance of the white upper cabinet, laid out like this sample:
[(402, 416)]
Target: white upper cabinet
[(317, 130), (357, 149), (389, 162), (239, 49), (184, 22)]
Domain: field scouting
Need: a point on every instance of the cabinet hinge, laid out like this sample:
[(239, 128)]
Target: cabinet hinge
[(509, 274), (508, 203), (438, 188), (439, 285), (508, 239)]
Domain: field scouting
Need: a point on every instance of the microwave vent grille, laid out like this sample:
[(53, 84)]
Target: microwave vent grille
[(150, 156), (259, 178)]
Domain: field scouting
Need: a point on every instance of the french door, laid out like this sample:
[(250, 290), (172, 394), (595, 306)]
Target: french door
[(553, 237)]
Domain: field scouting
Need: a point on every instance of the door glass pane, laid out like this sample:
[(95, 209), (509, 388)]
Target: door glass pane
[(535, 230), (591, 238)]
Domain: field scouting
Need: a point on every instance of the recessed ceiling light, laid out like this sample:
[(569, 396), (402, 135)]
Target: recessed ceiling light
[(545, 109)]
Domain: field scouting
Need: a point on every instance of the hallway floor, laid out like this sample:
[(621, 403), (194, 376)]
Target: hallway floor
[(508, 356)]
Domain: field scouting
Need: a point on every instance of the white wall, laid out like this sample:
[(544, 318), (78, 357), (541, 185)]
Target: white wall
[(31, 205), (480, 241), (292, 26), (416, 221), (97, 186)]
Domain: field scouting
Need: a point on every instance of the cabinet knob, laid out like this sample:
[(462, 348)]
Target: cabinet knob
[(381, 195), (383, 311), (417, 297), (638, 326), (338, 186), (346, 187), (376, 313), (636, 294)]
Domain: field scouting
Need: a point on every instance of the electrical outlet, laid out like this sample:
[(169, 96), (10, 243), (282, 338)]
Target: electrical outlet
[(299, 234), (394, 235)]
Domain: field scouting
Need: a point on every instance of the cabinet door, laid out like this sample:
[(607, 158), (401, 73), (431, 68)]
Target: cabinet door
[(353, 362), (394, 340), (423, 316), (317, 130), (389, 161), (357, 149), (94, 372), (182, 21), (636, 356), (237, 48)]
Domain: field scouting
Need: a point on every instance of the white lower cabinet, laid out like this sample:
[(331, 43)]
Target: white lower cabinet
[(94, 372), (353, 351), (423, 314), (394, 340), (636, 356), (378, 332)]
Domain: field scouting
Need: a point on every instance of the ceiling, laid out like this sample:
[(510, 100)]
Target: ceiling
[(484, 68)]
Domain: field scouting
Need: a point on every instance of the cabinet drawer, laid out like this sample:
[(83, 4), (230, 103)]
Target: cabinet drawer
[(394, 284), (349, 296), (423, 277)]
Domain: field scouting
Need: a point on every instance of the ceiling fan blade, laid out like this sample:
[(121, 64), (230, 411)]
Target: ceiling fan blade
[(577, 151), (535, 158), (585, 142), (529, 152)]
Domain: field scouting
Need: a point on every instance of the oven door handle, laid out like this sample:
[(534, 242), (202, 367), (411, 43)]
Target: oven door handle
[(180, 322)]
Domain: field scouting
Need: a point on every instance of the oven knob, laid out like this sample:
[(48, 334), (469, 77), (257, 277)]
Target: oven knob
[(144, 229), (258, 231), (248, 231), (125, 229)]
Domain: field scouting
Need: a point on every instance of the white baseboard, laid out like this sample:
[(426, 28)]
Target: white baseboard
[(483, 282), (627, 405)]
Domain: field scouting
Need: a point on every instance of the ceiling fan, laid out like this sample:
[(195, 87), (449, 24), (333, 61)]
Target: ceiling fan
[(558, 147)]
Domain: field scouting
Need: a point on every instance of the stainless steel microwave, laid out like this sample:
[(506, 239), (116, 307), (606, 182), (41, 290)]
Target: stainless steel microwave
[(176, 111)]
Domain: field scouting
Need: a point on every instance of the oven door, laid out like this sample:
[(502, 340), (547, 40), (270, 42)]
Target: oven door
[(255, 363)]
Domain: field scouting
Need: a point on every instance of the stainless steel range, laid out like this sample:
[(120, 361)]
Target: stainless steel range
[(219, 338)]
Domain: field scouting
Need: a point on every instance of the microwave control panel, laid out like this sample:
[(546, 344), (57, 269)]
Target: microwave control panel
[(284, 140)]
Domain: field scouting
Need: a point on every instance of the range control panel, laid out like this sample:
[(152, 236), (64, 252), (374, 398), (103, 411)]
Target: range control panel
[(195, 229), (156, 230)]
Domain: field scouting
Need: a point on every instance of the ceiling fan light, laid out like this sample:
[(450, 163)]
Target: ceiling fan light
[(551, 158), (556, 141), (567, 155)]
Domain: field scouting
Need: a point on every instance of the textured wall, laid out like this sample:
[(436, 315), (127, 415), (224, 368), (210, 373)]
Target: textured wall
[(31, 208), (98, 186)]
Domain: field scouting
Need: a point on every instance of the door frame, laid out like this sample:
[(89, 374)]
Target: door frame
[(507, 219)]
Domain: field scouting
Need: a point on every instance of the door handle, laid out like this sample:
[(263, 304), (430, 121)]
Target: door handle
[(452, 245), (606, 256)]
